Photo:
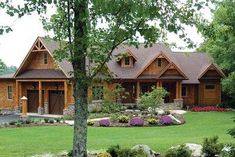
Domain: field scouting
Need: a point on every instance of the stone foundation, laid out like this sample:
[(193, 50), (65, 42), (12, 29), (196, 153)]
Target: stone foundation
[(69, 111), (176, 105), (179, 103), (17, 110), (46, 109), (40, 110)]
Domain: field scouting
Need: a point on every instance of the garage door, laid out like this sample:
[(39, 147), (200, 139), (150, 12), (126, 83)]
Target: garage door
[(56, 102)]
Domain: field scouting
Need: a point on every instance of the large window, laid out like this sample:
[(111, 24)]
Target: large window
[(45, 58), (184, 91), (10, 92), (210, 86), (98, 92)]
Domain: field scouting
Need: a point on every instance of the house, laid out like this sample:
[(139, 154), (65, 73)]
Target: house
[(190, 78)]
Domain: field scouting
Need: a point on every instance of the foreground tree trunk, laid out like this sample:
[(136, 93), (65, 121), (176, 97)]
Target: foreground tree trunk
[(80, 79)]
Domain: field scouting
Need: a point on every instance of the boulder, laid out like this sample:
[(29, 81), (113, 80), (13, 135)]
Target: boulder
[(159, 111), (195, 148), (147, 150)]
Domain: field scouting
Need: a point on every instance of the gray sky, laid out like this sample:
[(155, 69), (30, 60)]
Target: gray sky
[(15, 45)]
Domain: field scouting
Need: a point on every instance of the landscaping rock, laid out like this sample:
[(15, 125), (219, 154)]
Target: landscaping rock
[(175, 120), (195, 148), (159, 111), (147, 150)]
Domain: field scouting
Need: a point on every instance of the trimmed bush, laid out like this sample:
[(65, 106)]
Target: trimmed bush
[(104, 154), (180, 151), (152, 121), (90, 123), (123, 119), (211, 147), (165, 120), (12, 123), (136, 121), (113, 150), (110, 107), (104, 122)]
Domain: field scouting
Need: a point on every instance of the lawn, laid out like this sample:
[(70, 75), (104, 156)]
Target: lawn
[(38, 140)]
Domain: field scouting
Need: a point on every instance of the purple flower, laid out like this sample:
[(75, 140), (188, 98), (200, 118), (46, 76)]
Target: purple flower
[(104, 122), (136, 121), (166, 120)]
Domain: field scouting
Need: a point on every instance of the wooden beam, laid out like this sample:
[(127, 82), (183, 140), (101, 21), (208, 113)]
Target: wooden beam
[(180, 90), (40, 93), (17, 93), (137, 89), (65, 95), (54, 80), (177, 90)]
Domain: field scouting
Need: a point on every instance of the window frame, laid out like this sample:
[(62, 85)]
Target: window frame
[(127, 59), (186, 91), (100, 96), (10, 92), (159, 62), (209, 84), (45, 58)]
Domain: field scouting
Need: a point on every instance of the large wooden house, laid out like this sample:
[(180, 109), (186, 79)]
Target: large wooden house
[(190, 78)]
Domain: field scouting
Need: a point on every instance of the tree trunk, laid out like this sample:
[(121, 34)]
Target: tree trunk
[(80, 79)]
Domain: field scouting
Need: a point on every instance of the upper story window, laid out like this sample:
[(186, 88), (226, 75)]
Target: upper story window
[(184, 91), (159, 62), (210, 86), (127, 60), (45, 58), (10, 92)]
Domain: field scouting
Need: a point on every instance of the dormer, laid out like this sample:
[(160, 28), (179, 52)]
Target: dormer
[(126, 59)]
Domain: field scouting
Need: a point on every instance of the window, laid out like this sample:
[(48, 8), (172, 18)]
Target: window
[(10, 92), (45, 58), (127, 61), (159, 62), (184, 91), (210, 86), (98, 93)]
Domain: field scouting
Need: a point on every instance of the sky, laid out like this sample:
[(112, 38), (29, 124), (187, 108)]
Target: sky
[(15, 45)]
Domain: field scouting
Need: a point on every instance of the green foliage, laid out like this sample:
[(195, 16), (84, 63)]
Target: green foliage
[(232, 131), (211, 147), (117, 151), (116, 93), (152, 99), (123, 119), (104, 154), (5, 69), (90, 123), (110, 107), (219, 42), (181, 151), (152, 121), (113, 150), (228, 151)]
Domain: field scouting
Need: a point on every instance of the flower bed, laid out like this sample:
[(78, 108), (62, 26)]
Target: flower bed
[(208, 109)]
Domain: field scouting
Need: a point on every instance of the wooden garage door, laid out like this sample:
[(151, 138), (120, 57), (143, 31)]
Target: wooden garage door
[(33, 100), (56, 102)]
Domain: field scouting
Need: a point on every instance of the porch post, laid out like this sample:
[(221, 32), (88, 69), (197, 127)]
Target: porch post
[(65, 95), (137, 89), (40, 108), (178, 100)]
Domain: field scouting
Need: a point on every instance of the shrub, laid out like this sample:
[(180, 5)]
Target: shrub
[(57, 120), (70, 153), (104, 122), (152, 99), (228, 151), (12, 123), (46, 120), (123, 119), (113, 150), (27, 121), (165, 120), (136, 121), (131, 153), (211, 147), (67, 118), (110, 107), (180, 151), (152, 121), (125, 152), (90, 123), (104, 154)]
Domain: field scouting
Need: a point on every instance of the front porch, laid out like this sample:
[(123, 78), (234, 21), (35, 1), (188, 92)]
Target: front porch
[(43, 96), (134, 89)]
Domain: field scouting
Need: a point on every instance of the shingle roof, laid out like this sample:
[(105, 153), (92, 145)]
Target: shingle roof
[(7, 76), (192, 63), (42, 74)]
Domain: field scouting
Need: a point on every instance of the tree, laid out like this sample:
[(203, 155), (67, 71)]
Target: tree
[(94, 28), (220, 43), (2, 67)]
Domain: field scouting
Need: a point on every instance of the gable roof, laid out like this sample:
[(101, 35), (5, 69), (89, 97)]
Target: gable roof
[(189, 65), (213, 67)]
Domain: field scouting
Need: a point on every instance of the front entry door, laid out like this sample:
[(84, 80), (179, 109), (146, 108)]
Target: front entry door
[(56, 102), (33, 100)]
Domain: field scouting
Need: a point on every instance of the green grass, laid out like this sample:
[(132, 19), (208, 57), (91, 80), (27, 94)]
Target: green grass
[(38, 140)]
